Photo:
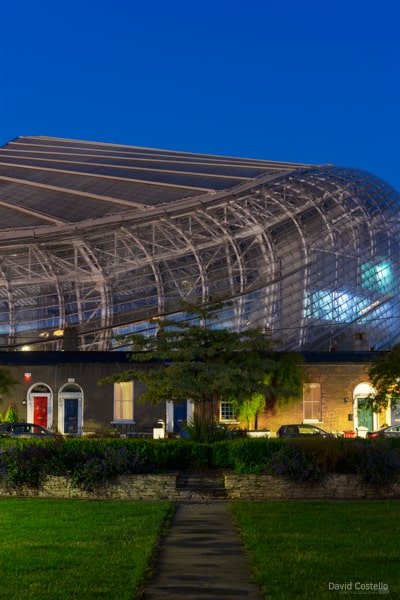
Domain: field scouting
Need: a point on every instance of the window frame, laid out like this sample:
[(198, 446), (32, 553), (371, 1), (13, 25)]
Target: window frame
[(312, 398), (124, 398), (227, 419)]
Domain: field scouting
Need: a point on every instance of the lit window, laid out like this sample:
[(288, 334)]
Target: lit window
[(312, 401), (226, 411), (123, 401), (377, 277)]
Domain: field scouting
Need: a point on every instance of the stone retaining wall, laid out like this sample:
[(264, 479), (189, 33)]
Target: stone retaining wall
[(336, 487), (237, 487), (130, 487)]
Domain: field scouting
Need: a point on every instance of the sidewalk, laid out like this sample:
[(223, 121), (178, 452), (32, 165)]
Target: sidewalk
[(202, 558)]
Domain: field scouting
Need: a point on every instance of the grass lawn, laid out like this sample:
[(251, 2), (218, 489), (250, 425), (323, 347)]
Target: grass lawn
[(74, 549), (70, 549), (322, 550)]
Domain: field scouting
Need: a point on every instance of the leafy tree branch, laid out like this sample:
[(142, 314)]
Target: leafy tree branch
[(200, 360)]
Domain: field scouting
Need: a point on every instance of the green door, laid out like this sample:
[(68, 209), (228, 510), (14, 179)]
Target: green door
[(364, 412)]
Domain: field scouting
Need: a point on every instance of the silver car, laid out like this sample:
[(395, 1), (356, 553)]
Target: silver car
[(390, 431)]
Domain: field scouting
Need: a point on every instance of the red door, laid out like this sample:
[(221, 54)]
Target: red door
[(40, 410)]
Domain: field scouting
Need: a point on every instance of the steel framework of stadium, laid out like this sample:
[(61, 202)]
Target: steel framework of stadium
[(103, 238)]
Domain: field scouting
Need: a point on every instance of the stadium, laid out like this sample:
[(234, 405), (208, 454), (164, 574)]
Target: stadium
[(98, 240)]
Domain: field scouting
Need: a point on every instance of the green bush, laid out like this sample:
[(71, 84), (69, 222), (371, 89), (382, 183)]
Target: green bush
[(221, 456), (296, 464), (251, 453), (332, 455), (378, 464), (25, 465), (203, 432)]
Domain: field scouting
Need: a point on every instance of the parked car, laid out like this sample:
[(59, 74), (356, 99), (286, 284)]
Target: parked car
[(25, 430), (301, 430), (390, 431)]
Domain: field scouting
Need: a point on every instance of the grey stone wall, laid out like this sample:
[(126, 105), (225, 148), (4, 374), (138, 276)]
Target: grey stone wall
[(266, 487), (238, 487)]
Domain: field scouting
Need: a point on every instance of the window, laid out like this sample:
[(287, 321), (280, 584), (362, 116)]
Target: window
[(226, 411), (360, 337), (123, 401), (312, 402)]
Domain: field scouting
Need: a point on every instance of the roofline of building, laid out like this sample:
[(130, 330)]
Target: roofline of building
[(144, 215), (118, 356)]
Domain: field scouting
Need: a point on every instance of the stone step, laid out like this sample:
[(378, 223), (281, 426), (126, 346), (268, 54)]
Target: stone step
[(205, 484)]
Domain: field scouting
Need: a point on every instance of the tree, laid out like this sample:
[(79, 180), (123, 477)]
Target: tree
[(249, 409), (7, 382), (11, 414), (384, 374), (286, 381), (205, 363)]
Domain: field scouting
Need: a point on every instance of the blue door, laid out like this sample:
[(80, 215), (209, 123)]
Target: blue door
[(180, 416), (71, 415)]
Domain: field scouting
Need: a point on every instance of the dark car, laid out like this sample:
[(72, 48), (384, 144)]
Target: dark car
[(25, 430), (390, 431), (301, 430)]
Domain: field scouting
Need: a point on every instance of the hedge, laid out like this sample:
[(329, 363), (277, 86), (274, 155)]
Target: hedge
[(90, 461)]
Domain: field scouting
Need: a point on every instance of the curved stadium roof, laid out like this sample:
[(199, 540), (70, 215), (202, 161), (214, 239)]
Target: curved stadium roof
[(104, 237)]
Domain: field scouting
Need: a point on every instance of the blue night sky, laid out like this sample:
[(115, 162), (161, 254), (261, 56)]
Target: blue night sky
[(313, 81)]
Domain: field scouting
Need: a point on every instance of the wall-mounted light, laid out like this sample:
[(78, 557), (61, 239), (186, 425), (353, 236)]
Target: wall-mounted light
[(345, 399), (27, 377)]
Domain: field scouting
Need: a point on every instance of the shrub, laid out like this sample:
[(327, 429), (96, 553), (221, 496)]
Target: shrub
[(294, 463), (11, 414), (98, 468), (163, 455), (24, 465), (377, 463), (221, 455), (252, 453), (332, 455), (203, 432)]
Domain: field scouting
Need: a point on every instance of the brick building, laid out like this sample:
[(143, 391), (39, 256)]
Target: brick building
[(60, 390)]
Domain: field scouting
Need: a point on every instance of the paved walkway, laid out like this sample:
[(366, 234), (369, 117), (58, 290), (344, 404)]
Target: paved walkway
[(202, 558)]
